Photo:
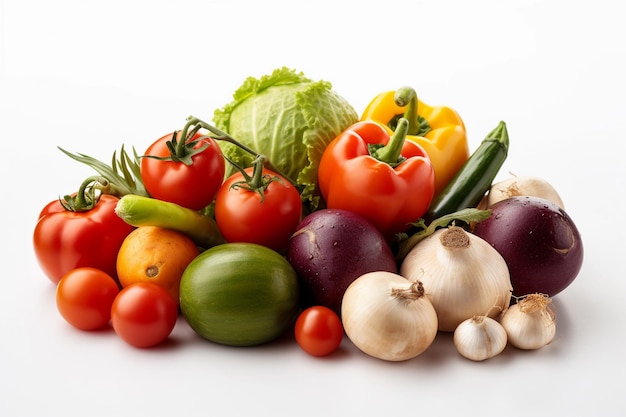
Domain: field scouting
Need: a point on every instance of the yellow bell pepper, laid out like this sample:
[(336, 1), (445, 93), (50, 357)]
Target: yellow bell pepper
[(438, 129)]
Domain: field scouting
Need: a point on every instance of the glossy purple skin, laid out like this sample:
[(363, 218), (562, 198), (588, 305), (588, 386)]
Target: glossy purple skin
[(330, 249), (539, 242)]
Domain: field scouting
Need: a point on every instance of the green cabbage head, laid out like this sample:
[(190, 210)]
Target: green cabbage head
[(288, 118)]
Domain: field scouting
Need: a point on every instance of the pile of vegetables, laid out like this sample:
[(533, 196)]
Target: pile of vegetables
[(292, 214)]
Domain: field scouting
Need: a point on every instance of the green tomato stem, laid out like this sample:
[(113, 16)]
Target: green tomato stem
[(180, 149), (256, 182), (86, 197), (221, 135)]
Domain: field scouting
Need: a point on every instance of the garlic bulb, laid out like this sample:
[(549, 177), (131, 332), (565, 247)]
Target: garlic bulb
[(530, 324), (463, 275), (520, 186), (480, 338), (388, 317)]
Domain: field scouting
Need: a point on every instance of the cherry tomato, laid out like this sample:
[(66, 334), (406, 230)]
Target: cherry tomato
[(244, 215), (192, 186), (64, 240), (84, 297), (143, 314), (318, 331)]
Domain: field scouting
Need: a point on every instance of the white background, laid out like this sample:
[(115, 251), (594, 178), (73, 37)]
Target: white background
[(90, 76)]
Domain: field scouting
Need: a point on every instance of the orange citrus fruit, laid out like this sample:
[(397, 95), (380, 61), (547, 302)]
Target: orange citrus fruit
[(157, 255)]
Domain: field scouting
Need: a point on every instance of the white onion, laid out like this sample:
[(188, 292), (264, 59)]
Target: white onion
[(521, 186), (464, 276), (388, 317)]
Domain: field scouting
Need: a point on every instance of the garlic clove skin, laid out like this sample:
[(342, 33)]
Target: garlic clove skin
[(530, 324), (480, 338)]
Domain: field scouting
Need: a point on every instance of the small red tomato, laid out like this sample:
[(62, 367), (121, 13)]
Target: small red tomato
[(144, 314), (84, 297), (318, 331)]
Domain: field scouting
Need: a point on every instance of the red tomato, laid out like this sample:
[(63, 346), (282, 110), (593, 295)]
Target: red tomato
[(84, 297), (144, 314), (54, 206), (192, 186), (65, 240), (318, 331), (243, 216)]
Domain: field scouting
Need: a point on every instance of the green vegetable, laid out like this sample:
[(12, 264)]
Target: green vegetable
[(475, 177), (288, 118), (239, 294), (123, 175), (145, 211)]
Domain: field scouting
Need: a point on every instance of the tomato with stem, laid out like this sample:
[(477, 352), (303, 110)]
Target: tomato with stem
[(80, 230), (184, 167), (257, 205)]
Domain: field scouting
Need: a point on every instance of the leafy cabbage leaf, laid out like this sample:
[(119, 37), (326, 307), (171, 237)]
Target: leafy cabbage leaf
[(290, 119)]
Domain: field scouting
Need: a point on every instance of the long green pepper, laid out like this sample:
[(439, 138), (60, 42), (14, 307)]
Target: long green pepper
[(140, 211)]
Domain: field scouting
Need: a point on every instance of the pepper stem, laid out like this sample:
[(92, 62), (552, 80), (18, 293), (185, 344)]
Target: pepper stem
[(392, 152), (407, 97)]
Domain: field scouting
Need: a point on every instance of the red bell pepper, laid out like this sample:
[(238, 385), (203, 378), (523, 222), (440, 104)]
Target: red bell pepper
[(386, 179)]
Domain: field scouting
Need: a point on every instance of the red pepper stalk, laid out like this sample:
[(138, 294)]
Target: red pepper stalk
[(388, 180)]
